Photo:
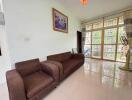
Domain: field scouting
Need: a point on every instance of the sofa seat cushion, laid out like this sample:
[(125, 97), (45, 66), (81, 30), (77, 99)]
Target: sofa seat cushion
[(70, 64), (36, 82)]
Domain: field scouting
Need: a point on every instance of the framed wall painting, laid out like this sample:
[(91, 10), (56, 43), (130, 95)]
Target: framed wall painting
[(60, 21)]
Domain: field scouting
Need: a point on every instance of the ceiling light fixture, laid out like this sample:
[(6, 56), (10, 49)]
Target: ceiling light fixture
[(84, 2)]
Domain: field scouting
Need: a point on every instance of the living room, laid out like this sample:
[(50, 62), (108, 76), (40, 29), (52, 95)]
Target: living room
[(84, 46)]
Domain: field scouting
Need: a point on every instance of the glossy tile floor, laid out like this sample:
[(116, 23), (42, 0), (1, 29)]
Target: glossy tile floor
[(96, 80)]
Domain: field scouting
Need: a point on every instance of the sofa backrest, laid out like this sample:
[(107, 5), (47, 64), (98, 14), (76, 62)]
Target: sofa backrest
[(60, 57), (28, 67)]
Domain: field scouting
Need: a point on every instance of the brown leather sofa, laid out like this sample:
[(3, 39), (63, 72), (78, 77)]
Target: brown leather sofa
[(67, 62), (32, 80)]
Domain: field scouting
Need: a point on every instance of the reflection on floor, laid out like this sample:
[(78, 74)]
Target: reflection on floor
[(109, 73), (96, 80)]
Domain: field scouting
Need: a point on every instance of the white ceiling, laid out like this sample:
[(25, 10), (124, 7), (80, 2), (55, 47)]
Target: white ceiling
[(95, 8)]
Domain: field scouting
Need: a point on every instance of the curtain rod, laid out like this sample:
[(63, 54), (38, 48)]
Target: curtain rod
[(107, 15)]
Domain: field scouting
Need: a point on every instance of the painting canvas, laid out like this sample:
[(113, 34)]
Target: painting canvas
[(60, 21)]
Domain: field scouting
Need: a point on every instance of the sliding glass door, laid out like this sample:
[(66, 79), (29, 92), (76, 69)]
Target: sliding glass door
[(102, 39), (109, 43), (120, 56), (87, 44), (96, 44)]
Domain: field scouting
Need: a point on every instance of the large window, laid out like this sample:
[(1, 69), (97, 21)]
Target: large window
[(102, 39)]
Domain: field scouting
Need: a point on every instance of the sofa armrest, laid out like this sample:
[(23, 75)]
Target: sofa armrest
[(78, 56), (61, 71), (15, 85), (51, 69)]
